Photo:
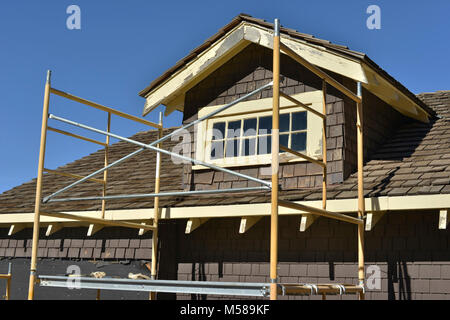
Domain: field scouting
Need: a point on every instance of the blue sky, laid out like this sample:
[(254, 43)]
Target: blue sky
[(123, 45)]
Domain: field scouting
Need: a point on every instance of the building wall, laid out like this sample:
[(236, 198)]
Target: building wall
[(247, 71), (252, 68), (380, 121), (411, 252)]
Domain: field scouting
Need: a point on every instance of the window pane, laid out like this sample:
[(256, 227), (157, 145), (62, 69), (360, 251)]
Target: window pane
[(284, 122), (264, 144), (217, 150), (234, 129), (298, 121), (250, 127), (265, 125), (284, 140), (218, 131), (232, 148), (298, 142), (249, 147)]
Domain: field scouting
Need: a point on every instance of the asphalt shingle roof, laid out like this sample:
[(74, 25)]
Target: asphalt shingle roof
[(416, 160)]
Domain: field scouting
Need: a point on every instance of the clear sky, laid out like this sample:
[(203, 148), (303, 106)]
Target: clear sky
[(123, 45)]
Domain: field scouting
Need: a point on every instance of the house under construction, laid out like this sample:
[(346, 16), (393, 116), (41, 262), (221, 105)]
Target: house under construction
[(302, 170)]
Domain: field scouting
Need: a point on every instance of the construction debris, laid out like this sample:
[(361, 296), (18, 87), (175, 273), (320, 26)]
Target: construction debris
[(137, 276), (98, 274)]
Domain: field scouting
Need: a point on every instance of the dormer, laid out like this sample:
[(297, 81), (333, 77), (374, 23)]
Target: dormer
[(236, 61)]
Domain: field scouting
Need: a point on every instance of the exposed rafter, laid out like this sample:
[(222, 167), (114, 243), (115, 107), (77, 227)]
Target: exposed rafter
[(52, 228), (94, 228), (444, 218), (373, 218), (14, 228), (306, 221), (193, 224), (247, 223)]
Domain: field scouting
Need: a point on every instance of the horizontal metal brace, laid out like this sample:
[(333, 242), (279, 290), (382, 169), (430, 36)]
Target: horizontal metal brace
[(209, 115), (168, 286), (163, 194)]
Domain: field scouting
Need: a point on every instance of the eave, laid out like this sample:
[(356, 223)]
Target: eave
[(356, 66), (376, 204)]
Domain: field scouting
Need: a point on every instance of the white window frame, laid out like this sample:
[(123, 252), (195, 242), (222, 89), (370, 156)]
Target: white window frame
[(258, 108)]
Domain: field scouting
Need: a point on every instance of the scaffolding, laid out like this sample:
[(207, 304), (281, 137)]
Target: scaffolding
[(272, 289), (7, 277)]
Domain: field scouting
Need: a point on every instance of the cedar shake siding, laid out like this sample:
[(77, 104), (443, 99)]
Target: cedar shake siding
[(245, 72), (413, 255)]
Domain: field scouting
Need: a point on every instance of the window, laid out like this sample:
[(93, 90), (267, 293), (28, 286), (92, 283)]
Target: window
[(241, 135), (252, 136)]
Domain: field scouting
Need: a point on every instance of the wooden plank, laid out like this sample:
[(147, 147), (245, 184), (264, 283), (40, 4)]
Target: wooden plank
[(103, 108), (73, 135), (15, 228), (301, 155), (38, 196), (300, 104), (306, 221), (321, 212), (372, 219), (52, 228), (156, 211), (275, 163), (319, 73), (93, 229), (324, 145), (444, 218), (361, 202), (100, 221), (105, 173), (247, 223), (72, 175), (193, 224)]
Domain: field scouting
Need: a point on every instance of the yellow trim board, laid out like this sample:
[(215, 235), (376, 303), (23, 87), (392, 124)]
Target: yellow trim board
[(230, 45), (421, 202)]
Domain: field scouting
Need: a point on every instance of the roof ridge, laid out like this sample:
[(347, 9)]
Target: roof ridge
[(433, 92)]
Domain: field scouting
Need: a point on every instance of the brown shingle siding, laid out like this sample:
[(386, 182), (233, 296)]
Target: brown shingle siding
[(252, 66)]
